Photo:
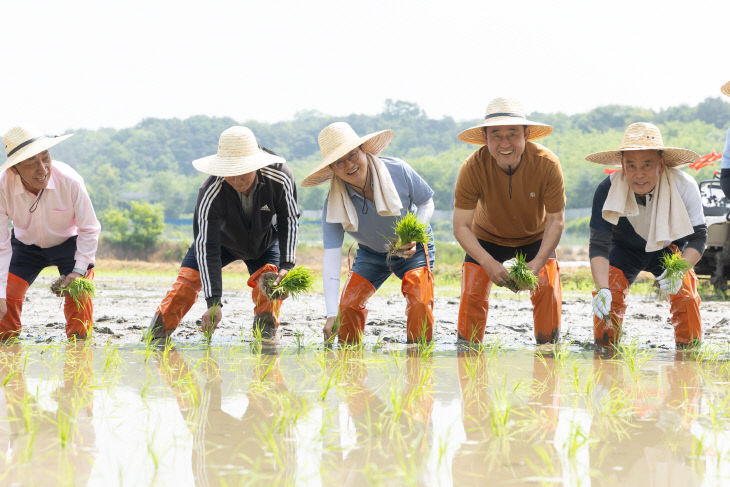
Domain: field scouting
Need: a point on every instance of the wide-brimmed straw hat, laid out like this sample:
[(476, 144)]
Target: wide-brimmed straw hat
[(644, 136), (336, 140), (238, 153), (726, 88), (22, 143), (504, 111)]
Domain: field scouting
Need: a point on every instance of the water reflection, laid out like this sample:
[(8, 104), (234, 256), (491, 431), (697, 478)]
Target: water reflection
[(242, 415), (230, 450), (387, 423), (43, 444)]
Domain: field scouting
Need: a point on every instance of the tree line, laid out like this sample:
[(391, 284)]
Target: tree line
[(151, 162)]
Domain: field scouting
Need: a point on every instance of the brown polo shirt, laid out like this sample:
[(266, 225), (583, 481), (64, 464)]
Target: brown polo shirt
[(519, 219)]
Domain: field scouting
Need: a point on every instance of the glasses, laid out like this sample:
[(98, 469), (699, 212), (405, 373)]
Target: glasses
[(350, 157)]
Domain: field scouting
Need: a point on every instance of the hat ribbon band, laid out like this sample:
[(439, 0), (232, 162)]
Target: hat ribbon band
[(504, 114), (27, 142)]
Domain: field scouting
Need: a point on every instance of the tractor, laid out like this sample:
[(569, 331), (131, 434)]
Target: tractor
[(715, 262)]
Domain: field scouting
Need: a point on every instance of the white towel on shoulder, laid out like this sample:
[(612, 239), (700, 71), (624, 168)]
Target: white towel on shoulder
[(668, 219), (340, 208)]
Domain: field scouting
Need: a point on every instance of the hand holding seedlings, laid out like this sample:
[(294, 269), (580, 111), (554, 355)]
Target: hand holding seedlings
[(329, 328), (293, 283), (79, 288), (210, 319), (520, 277), (409, 231), (602, 303), (675, 267)]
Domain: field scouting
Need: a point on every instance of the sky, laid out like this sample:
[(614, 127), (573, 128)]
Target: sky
[(91, 64)]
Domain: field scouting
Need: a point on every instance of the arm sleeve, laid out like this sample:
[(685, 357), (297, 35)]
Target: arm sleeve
[(698, 239), (425, 211), (466, 190), (207, 239), (420, 191), (287, 217), (555, 189), (599, 244), (88, 228), (332, 233), (6, 250), (331, 279), (601, 231)]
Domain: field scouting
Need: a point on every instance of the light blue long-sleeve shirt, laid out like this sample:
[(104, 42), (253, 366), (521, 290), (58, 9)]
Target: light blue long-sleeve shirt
[(726, 152)]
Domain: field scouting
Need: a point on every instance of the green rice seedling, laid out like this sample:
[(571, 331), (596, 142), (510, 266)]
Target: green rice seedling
[(208, 332), (297, 281), (80, 289), (407, 229), (519, 276), (675, 266), (633, 357)]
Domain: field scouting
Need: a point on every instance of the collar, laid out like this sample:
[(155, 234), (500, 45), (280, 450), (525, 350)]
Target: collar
[(642, 199), (20, 188)]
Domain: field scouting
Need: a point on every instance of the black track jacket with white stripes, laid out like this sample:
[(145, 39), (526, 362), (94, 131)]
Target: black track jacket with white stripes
[(219, 222)]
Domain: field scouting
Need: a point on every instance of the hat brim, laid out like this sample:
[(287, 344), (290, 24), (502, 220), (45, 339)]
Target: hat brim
[(726, 88), (673, 156), (32, 149), (373, 143), (475, 135), (224, 167)]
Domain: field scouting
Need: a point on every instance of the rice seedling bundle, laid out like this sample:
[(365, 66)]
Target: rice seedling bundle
[(79, 289), (520, 276), (408, 229), (675, 266), (297, 281)]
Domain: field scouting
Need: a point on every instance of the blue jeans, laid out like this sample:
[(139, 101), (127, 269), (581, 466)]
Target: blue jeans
[(376, 267)]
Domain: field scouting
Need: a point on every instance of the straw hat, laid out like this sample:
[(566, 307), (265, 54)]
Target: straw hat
[(503, 111), (336, 140), (644, 136), (726, 88), (22, 143), (238, 153)]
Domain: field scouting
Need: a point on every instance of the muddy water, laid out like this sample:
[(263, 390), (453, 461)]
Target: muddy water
[(252, 413)]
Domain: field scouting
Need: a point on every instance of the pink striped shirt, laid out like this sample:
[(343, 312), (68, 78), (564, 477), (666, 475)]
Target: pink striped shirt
[(64, 210)]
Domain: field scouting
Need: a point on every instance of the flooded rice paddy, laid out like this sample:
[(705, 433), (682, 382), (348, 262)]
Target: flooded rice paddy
[(259, 413)]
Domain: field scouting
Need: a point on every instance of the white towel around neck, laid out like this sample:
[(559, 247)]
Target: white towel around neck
[(340, 208), (668, 219)]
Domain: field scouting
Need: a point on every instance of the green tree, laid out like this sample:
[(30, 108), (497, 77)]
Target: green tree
[(136, 229)]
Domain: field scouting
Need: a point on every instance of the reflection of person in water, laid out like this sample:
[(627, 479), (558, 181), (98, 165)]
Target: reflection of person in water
[(650, 443), (476, 462), (390, 444), (228, 450), (44, 447)]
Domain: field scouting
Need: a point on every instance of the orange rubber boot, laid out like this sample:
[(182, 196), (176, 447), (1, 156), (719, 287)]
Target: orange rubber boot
[(547, 302), (79, 316), (608, 332), (474, 305), (177, 302), (266, 312), (15, 293), (417, 288), (352, 312), (685, 309)]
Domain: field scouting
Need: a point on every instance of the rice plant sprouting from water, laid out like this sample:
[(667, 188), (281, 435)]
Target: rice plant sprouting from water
[(408, 229), (296, 282), (520, 276), (80, 289)]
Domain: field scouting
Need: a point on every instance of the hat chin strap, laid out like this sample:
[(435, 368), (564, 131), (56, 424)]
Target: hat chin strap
[(34, 206)]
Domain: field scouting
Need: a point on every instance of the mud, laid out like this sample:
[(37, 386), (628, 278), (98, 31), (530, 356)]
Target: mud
[(124, 307)]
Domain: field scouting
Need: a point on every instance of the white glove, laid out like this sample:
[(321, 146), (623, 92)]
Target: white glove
[(670, 284), (602, 303)]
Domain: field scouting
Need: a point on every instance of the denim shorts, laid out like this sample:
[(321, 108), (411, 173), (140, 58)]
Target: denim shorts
[(376, 267)]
